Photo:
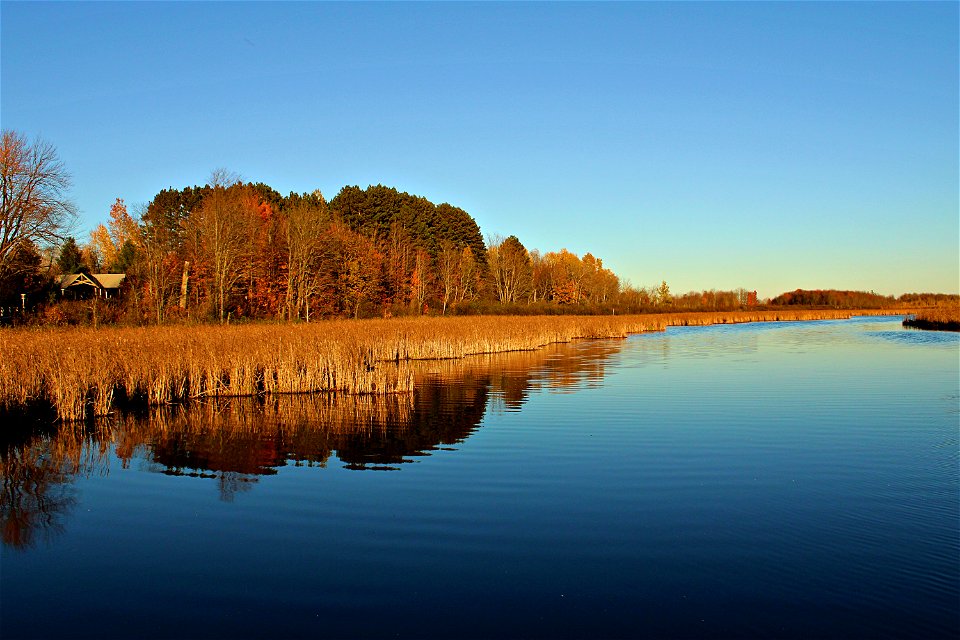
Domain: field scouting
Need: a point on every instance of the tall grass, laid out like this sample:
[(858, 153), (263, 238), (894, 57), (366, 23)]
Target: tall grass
[(83, 372), (943, 318)]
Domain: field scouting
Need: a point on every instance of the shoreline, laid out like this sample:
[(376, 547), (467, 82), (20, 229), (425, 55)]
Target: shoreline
[(80, 373)]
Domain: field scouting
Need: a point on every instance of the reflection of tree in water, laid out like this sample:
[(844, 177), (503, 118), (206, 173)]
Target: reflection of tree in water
[(237, 441), (442, 414), (511, 378), (37, 476)]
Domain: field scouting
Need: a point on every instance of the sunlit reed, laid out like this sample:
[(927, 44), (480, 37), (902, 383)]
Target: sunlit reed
[(85, 371), (945, 317)]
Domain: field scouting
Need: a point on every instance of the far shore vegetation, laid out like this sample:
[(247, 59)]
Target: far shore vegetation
[(233, 251)]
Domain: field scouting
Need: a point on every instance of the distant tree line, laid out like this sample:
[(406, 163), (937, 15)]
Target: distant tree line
[(239, 250), (835, 299)]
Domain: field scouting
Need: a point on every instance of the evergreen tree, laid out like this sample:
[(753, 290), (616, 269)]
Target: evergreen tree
[(71, 258)]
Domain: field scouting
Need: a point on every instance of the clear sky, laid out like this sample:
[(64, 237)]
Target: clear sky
[(769, 146)]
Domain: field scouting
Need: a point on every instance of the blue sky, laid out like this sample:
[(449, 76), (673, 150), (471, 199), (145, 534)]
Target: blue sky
[(769, 146)]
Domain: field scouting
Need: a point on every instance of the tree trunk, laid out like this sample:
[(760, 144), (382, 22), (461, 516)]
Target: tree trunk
[(183, 285)]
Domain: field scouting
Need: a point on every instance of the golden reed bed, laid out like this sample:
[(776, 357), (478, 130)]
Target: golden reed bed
[(82, 372), (942, 318)]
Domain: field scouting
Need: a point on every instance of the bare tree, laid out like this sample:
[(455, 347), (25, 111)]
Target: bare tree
[(420, 280), (305, 225), (400, 258), (541, 280), (35, 207), (160, 263), (219, 230), (449, 263), (510, 267), (466, 275)]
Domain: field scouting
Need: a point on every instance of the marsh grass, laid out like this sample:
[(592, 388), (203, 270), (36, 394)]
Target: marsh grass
[(943, 318), (89, 372)]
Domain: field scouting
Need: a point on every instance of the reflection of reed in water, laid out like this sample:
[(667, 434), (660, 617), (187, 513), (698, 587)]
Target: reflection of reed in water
[(236, 441)]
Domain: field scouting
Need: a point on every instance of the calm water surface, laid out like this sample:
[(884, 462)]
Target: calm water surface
[(768, 480)]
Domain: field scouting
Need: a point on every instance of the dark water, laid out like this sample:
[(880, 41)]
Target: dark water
[(772, 480)]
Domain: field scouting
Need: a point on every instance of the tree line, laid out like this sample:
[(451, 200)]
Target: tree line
[(231, 249), (838, 299)]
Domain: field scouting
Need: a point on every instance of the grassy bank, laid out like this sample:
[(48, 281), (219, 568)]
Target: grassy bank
[(83, 372), (936, 319)]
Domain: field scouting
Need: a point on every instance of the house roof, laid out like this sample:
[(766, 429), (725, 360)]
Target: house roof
[(98, 280), (110, 280), (74, 279)]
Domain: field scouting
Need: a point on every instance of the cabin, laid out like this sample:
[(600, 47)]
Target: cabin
[(83, 286)]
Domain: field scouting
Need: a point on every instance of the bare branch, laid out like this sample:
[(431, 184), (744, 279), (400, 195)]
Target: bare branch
[(34, 206)]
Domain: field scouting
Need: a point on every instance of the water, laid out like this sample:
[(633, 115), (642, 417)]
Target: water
[(768, 480)]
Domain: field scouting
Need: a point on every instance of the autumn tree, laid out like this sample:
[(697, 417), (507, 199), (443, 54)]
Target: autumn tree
[(218, 233), (541, 277), (509, 268), (91, 259), (304, 224), (468, 275), (600, 283), (400, 253), (161, 265), (420, 280), (635, 298), (109, 240), (359, 269), (447, 268), (568, 273), (164, 248), (34, 206), (102, 245), (403, 223), (663, 293), (260, 273)]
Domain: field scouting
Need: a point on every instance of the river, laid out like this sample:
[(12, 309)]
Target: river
[(758, 480)]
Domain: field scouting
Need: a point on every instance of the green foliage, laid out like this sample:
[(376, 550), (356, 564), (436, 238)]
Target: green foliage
[(267, 194), (379, 211), (663, 293), (165, 216), (71, 258), (126, 258)]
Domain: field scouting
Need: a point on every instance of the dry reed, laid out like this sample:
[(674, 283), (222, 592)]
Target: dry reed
[(944, 318), (82, 372)]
